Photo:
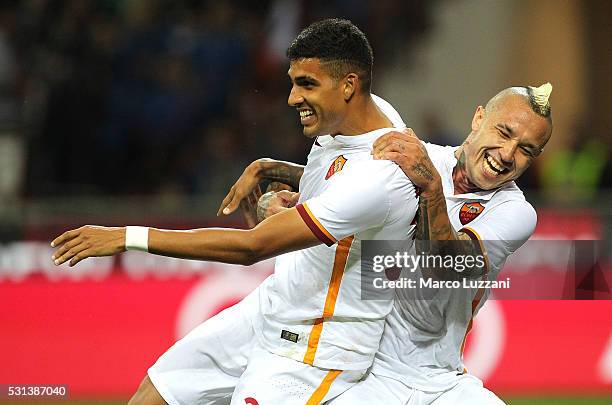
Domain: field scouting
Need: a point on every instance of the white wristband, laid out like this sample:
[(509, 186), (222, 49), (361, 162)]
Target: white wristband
[(137, 238)]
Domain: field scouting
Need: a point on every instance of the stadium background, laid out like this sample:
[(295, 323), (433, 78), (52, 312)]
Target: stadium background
[(145, 111)]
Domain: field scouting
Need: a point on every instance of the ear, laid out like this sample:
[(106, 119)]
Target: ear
[(349, 87), (478, 117)]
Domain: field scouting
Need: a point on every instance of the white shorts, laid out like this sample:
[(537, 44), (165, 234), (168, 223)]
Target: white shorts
[(273, 379), (204, 367), (375, 389)]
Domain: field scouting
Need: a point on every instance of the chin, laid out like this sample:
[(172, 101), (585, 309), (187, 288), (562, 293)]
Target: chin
[(310, 132), (492, 184)]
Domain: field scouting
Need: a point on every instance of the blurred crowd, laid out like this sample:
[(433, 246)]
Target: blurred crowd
[(154, 96), (140, 97)]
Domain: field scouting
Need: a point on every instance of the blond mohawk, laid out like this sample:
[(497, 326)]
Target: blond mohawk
[(538, 98)]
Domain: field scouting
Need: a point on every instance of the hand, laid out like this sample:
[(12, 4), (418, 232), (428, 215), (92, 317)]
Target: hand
[(88, 241), (246, 187), (248, 206), (278, 186), (274, 202), (405, 149)]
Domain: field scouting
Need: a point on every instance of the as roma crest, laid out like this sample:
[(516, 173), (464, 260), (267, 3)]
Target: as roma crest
[(336, 166), (470, 211)]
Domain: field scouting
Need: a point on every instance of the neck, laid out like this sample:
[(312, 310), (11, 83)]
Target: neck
[(461, 182), (363, 116)]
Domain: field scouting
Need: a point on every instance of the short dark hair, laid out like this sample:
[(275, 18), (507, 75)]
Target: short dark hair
[(340, 45)]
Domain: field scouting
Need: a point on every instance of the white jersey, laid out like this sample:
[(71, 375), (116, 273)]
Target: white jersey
[(422, 344), (312, 311)]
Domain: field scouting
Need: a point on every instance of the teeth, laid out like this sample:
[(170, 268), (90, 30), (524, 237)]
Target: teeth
[(305, 113), (494, 164), (487, 168)]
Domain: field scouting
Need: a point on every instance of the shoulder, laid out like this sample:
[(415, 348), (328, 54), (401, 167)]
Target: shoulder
[(511, 198), (374, 177), (389, 111), (508, 217), (434, 150), (375, 169)]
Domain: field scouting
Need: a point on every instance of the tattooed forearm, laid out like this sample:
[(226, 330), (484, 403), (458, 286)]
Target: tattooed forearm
[(432, 218), (422, 170), (434, 225), (284, 172)]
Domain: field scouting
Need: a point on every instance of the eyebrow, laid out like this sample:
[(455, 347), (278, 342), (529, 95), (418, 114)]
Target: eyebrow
[(305, 80), (506, 128)]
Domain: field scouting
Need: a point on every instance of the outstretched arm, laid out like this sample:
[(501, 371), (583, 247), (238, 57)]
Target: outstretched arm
[(279, 234)]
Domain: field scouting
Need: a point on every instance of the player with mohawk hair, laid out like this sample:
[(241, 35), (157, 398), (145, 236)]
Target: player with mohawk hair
[(420, 355)]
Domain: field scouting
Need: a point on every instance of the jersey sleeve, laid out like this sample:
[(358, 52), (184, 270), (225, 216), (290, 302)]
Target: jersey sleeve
[(503, 230), (356, 200)]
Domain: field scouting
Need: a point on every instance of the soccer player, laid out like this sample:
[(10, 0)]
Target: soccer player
[(467, 193), (311, 337)]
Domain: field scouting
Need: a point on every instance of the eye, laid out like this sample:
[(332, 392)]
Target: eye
[(527, 152), (503, 134)]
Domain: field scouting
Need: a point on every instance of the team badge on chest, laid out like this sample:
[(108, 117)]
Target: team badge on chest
[(336, 166), (469, 212)]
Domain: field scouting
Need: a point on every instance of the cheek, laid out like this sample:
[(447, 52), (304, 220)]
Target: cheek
[(522, 163)]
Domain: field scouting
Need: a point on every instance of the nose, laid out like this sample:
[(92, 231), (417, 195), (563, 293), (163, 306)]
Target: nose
[(507, 152), (295, 97)]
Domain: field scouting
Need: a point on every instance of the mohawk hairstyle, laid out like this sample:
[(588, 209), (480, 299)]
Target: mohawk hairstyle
[(542, 109), (536, 97), (340, 45)]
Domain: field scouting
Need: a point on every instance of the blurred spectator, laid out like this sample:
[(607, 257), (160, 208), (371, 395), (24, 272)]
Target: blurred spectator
[(146, 96)]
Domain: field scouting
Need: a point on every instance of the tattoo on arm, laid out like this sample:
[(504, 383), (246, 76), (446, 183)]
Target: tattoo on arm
[(284, 172), (433, 224), (422, 170)]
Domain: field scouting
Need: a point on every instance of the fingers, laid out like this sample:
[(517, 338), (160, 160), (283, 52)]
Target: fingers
[(257, 193), (409, 132), (392, 156), (234, 199), (397, 141), (403, 147), (65, 247), (70, 254), (294, 198), (65, 237), (253, 197), (223, 208), (289, 198), (248, 206)]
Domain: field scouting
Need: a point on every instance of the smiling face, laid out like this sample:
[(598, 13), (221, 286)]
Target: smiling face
[(505, 139), (318, 98)]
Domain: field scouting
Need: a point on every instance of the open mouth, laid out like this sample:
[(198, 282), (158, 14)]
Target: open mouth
[(307, 116), (492, 167)]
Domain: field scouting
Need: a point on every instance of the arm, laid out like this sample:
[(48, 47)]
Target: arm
[(432, 222), (247, 185), (405, 149), (279, 234)]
